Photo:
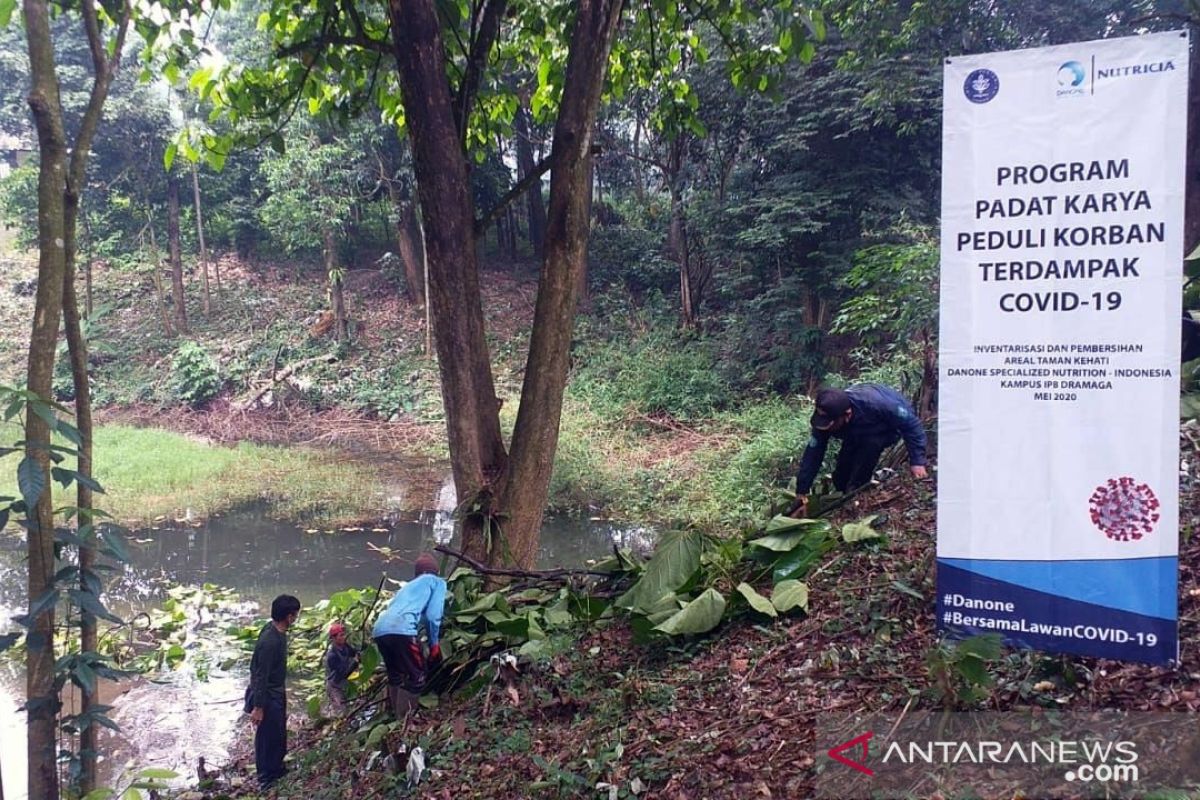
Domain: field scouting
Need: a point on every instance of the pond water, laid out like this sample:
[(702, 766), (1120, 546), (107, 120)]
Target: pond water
[(168, 723)]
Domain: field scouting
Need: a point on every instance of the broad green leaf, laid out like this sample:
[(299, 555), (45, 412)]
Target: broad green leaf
[(158, 774), (485, 603), (99, 794), (860, 531), (313, 707), (674, 561), (975, 671), (699, 616), (780, 542), (6, 11), (789, 595), (986, 646), (759, 603), (31, 480), (169, 155), (535, 648)]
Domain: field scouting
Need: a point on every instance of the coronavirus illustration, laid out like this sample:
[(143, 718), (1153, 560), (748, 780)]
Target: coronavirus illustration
[(1124, 509)]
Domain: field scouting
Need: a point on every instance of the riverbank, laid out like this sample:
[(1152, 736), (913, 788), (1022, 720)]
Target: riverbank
[(734, 714), (151, 475)]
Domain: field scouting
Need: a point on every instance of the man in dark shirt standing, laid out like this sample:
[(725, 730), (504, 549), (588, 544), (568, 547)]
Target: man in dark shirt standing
[(268, 673), (868, 418)]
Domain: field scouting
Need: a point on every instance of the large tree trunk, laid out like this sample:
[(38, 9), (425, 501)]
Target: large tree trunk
[(175, 255), (337, 297), (200, 240), (468, 392), (493, 489), (535, 437), (525, 166), (43, 702)]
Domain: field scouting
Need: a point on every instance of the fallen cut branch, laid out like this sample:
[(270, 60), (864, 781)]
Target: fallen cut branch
[(278, 377), (504, 572)]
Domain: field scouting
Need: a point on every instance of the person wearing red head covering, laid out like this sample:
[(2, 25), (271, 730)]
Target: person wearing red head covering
[(341, 659)]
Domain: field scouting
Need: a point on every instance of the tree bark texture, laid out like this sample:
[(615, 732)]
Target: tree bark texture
[(159, 291), (337, 296), (468, 391), (44, 102), (175, 255), (408, 242), (535, 437), (533, 195)]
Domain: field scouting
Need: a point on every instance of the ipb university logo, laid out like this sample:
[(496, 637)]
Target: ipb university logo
[(981, 86)]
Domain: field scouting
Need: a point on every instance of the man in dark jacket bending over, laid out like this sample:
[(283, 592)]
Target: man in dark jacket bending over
[(868, 419)]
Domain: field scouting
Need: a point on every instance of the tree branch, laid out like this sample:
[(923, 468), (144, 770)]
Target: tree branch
[(513, 194), (481, 48), (483, 569), (326, 39), (104, 70)]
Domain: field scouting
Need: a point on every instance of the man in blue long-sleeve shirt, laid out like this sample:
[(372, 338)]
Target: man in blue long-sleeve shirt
[(423, 599), (868, 418)]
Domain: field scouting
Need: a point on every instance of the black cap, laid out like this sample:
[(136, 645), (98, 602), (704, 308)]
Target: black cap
[(832, 405)]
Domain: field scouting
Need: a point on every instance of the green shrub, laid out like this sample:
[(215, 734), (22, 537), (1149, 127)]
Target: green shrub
[(195, 376), (662, 372)]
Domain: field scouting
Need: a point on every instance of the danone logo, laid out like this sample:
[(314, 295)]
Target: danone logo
[(1071, 73), (981, 86)]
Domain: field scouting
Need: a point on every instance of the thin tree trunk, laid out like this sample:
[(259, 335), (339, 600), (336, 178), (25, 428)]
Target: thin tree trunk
[(174, 254), (159, 291), (525, 166), (42, 700), (535, 437), (77, 350), (336, 295), (425, 276), (200, 240), (407, 235)]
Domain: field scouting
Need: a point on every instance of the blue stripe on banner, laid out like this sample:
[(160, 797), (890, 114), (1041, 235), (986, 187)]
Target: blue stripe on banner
[(1138, 585), (969, 604)]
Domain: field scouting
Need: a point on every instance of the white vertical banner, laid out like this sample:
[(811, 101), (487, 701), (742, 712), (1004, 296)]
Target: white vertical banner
[(1061, 285)]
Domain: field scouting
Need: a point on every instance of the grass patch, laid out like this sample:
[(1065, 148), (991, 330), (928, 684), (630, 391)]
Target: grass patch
[(149, 473), (720, 475)]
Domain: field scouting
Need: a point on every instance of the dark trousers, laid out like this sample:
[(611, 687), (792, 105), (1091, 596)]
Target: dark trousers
[(270, 742), (403, 659), (857, 460)]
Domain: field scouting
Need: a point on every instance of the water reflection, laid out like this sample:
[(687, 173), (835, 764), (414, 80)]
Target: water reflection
[(169, 724)]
